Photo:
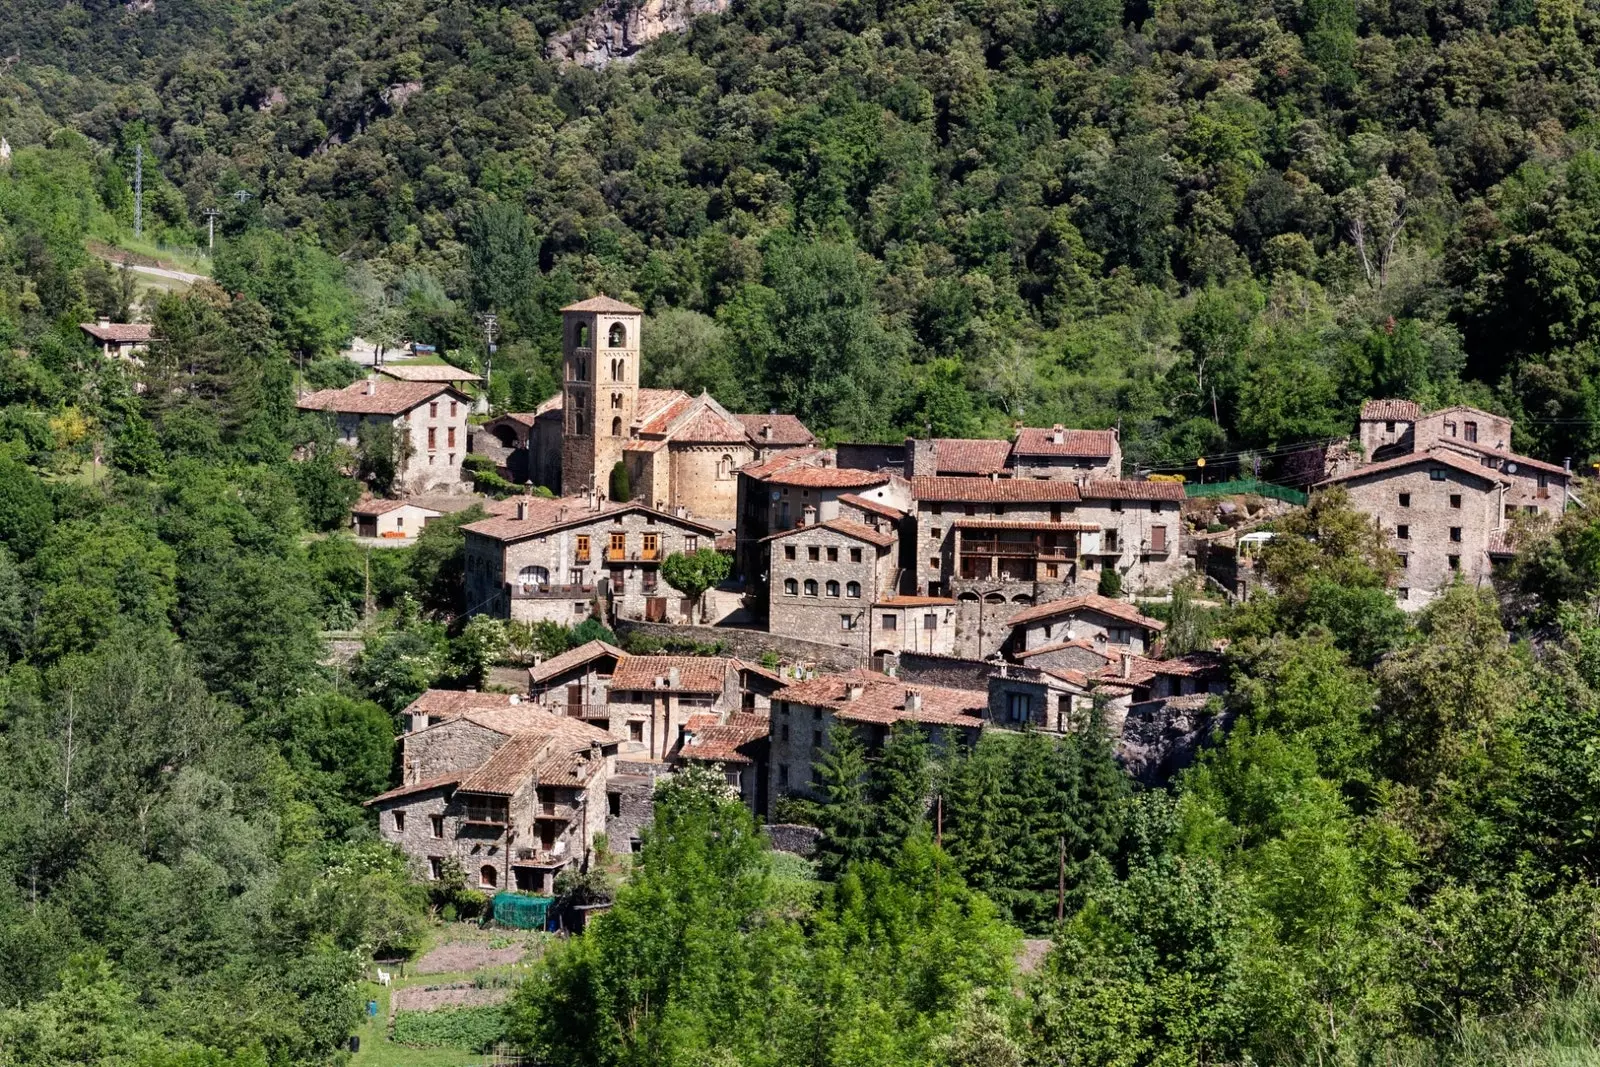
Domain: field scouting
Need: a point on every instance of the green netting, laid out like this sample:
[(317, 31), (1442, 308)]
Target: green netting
[(521, 911)]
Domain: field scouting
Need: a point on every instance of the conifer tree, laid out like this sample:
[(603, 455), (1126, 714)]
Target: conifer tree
[(899, 784), (846, 818), (973, 792)]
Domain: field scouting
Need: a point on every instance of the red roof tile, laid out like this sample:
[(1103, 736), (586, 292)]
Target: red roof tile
[(434, 372), (1126, 490), (573, 657), (604, 304), (440, 782), (881, 699), (1101, 444), (827, 478), (985, 490), (1025, 524), (385, 397), (721, 742), (1439, 455), (799, 457), (914, 602), (1508, 457), (696, 674), (786, 430), (511, 766), (546, 515), (842, 526), (1390, 411), (118, 332), (969, 455), (1117, 609), (876, 507)]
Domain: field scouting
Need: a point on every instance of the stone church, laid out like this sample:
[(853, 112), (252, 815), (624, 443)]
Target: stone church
[(680, 451)]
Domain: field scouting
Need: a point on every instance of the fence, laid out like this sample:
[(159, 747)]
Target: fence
[(1247, 485)]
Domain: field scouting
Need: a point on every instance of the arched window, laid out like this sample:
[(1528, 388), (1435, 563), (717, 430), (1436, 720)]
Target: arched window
[(580, 338), (811, 587), (833, 588), (791, 587), (616, 427), (725, 466), (616, 401), (533, 576), (488, 876), (616, 370), (852, 589), (619, 335)]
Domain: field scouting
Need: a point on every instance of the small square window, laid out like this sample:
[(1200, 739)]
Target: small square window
[(890, 622), (936, 533), (1438, 474), (814, 554), (833, 554), (1455, 500), (855, 555), (934, 563), (788, 552), (1455, 563), (847, 622), (1403, 532), (1402, 593), (1405, 500), (1455, 533)]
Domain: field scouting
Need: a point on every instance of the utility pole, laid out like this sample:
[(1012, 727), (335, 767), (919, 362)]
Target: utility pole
[(1061, 884), (491, 326), (211, 214), (138, 189)]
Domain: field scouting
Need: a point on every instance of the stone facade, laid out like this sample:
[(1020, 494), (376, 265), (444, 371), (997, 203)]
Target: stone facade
[(915, 624), (600, 394), (1046, 700), (430, 420), (652, 699), (547, 561), (826, 577), (1104, 623)]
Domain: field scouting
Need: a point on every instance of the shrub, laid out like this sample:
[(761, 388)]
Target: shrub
[(1110, 582)]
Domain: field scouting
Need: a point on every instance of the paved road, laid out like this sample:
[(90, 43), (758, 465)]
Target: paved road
[(159, 272)]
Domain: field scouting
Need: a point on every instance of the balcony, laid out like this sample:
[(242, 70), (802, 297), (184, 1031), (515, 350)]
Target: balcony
[(588, 712), (540, 857), (638, 555), (581, 557), (549, 591)]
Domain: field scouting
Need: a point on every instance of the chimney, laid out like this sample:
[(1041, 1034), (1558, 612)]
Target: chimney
[(522, 510), (913, 700), (854, 691), (104, 323), (1058, 434), (674, 677), (516, 699), (922, 458), (372, 387), (1126, 667), (808, 515), (994, 476), (766, 431)]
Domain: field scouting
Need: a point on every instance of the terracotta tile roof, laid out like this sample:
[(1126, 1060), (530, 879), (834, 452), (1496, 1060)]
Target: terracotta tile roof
[(786, 430), (842, 526), (1101, 444), (521, 418), (1508, 457), (1025, 524), (510, 767), (1142, 670), (1438, 455), (1390, 411), (495, 711), (914, 602), (882, 699), (710, 426), (386, 397), (604, 304), (656, 408), (118, 332), (1117, 609), (696, 674), (441, 782), (876, 507), (573, 657), (452, 702), (969, 455), (998, 490), (1068, 675), (726, 542), (1125, 490), (757, 669), (546, 515), (721, 742), (570, 769), (435, 372), (798, 457), (1084, 643), (1500, 544), (827, 478), (378, 506)]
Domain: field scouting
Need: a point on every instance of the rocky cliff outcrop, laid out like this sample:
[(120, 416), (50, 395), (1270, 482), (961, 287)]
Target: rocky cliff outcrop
[(617, 29)]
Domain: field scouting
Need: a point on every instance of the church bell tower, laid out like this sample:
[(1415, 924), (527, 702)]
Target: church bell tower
[(600, 389)]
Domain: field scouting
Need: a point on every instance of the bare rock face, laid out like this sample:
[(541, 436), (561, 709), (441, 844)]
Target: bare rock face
[(615, 31)]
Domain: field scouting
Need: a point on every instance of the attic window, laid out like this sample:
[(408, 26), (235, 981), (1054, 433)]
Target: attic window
[(1438, 474)]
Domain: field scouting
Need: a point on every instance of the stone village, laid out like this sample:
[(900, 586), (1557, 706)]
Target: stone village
[(960, 585)]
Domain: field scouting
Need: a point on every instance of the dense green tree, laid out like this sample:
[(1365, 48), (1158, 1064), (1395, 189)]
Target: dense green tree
[(846, 821)]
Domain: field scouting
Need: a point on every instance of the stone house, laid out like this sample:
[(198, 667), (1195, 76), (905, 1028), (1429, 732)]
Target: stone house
[(429, 421), (118, 340), (510, 792), (549, 559), (913, 623), (1053, 452), (577, 682), (825, 578), (803, 713), (525, 445), (651, 699), (398, 520), (1442, 513), (739, 745), (1052, 700), (1103, 622)]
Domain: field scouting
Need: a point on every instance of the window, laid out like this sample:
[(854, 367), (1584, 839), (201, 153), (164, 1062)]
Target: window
[(487, 876), (999, 509), (616, 427), (832, 587), (847, 622), (533, 576), (1405, 560), (400, 521), (788, 552), (814, 554), (937, 508), (934, 563), (1470, 431), (936, 533), (1455, 563), (855, 555), (1438, 474), (970, 510), (619, 335), (890, 622), (636, 730), (1158, 538), (578, 607), (1455, 501), (1108, 541), (613, 804), (1116, 505), (1403, 532), (852, 589), (1405, 500), (433, 437), (1155, 506), (435, 868), (725, 467), (1450, 428), (433, 410), (833, 554), (648, 581), (930, 621), (452, 409), (1455, 533), (452, 459), (1544, 480), (580, 336), (691, 543), (616, 370), (1402, 593), (582, 373), (399, 822), (1055, 512), (1388, 427), (652, 545), (1019, 707), (450, 437), (811, 587), (783, 775), (784, 733), (583, 548), (619, 578), (436, 825), (619, 544), (816, 738), (616, 401)]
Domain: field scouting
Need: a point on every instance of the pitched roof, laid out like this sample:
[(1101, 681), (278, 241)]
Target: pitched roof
[(545, 515), (827, 478), (1117, 609), (118, 332), (843, 526), (1438, 455), (569, 769), (876, 507), (1500, 544), (378, 506), (1390, 411), (1143, 670), (573, 657), (1125, 490), (434, 372), (1083, 643), (786, 429), (510, 767), (368, 397), (497, 712), (696, 674), (969, 455), (1025, 524), (721, 742), (1507, 457), (604, 304), (424, 786), (997, 490), (788, 460), (1101, 444), (882, 699)]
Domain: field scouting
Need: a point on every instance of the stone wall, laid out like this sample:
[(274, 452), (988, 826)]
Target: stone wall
[(952, 672), (750, 644), (792, 837)]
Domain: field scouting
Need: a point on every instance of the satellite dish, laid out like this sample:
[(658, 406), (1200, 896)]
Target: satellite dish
[(775, 494), (1511, 468)]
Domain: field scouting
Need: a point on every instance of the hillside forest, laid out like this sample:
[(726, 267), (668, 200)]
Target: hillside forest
[(1217, 225)]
